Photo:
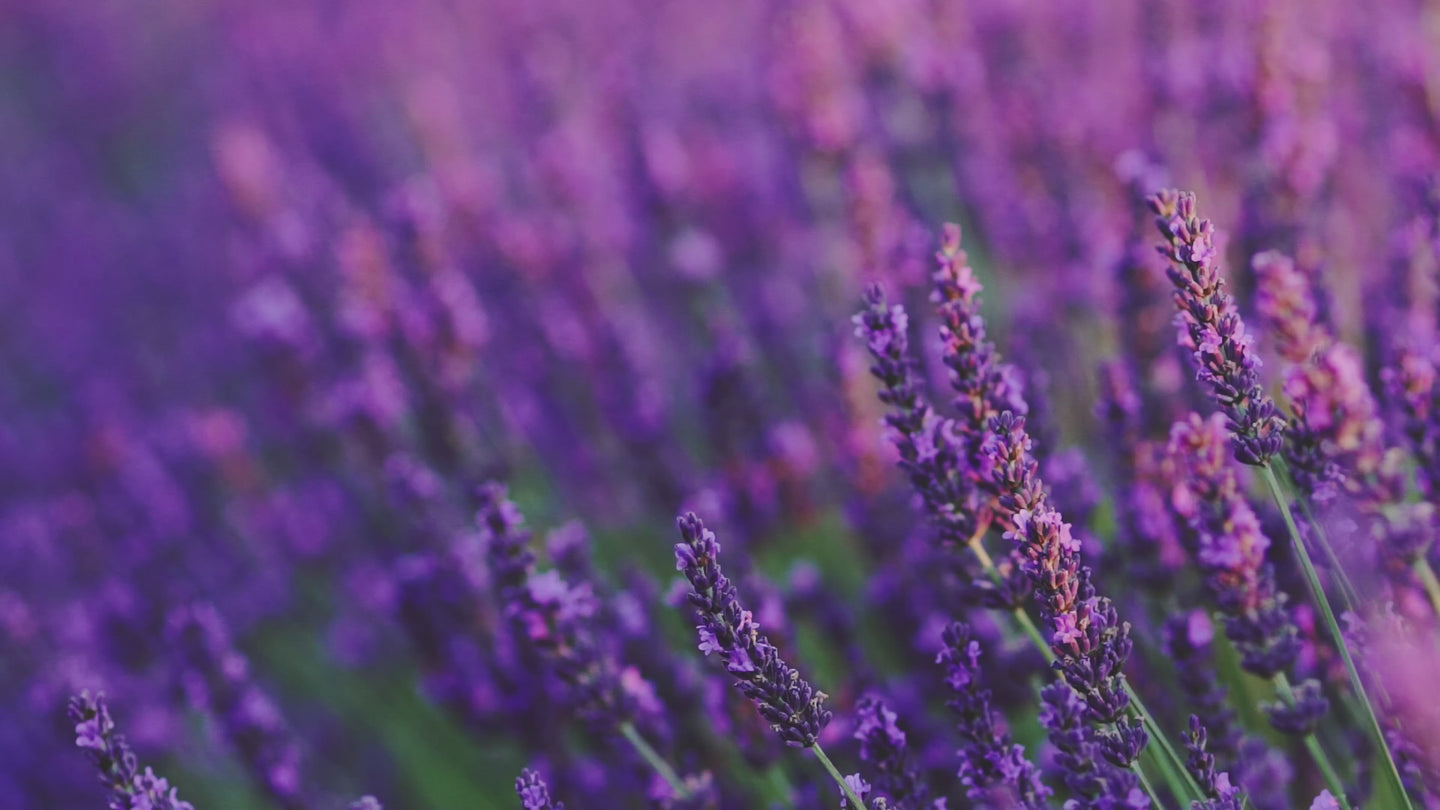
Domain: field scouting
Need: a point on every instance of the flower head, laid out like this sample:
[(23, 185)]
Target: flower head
[(1225, 360), (130, 789), (796, 710), (992, 766), (1223, 533), (216, 677), (534, 793), (885, 747)]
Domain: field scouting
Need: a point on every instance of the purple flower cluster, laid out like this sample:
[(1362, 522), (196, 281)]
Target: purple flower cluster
[(1084, 761), (1225, 359), (215, 676), (534, 793), (1224, 535), (128, 787), (795, 710), (885, 748), (984, 386), (1220, 793), (993, 769), (556, 618), (281, 318), (1412, 387)]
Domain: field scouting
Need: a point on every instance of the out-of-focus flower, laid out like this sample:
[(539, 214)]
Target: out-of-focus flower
[(1223, 533), (993, 769), (884, 746), (216, 677), (1220, 794)]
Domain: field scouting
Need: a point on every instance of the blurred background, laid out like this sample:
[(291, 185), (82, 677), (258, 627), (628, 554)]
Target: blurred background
[(285, 281)]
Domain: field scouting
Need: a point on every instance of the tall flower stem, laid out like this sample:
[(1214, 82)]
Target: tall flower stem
[(1177, 775), (1347, 590), (657, 762), (1312, 744), (1431, 583), (835, 774), (1317, 593), (1172, 767), (1145, 784)]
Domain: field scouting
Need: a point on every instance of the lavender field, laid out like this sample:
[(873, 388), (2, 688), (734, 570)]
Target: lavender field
[(609, 404)]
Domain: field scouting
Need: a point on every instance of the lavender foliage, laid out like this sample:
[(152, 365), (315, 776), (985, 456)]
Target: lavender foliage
[(289, 280)]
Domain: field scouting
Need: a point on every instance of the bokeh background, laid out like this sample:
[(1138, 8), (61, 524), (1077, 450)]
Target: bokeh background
[(268, 264)]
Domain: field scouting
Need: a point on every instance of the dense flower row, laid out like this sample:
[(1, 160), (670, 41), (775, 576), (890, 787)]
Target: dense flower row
[(307, 342)]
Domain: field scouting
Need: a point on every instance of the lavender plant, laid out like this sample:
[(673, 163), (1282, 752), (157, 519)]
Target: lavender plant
[(274, 321), (119, 773)]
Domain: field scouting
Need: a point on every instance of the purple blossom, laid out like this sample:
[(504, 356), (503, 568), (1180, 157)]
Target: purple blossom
[(534, 793), (1188, 642), (506, 542), (1225, 360), (1224, 534), (129, 788), (795, 710), (1411, 386), (1335, 436), (1089, 640), (884, 746), (1219, 792), (984, 387), (992, 767), (1081, 761), (858, 785), (558, 621), (926, 442), (216, 678), (944, 464)]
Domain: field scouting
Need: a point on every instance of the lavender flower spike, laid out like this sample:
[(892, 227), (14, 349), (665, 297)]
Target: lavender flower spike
[(216, 677), (534, 793), (993, 769), (884, 745), (943, 466), (795, 709), (1223, 533), (1222, 795), (95, 732), (984, 386), (1224, 357), (1089, 774), (929, 452)]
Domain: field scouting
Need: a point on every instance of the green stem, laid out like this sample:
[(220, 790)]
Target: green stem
[(781, 783), (1170, 761), (1432, 585), (1347, 590), (657, 762), (1023, 619), (1317, 593), (1145, 783), (1312, 744), (835, 774), (1184, 777)]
